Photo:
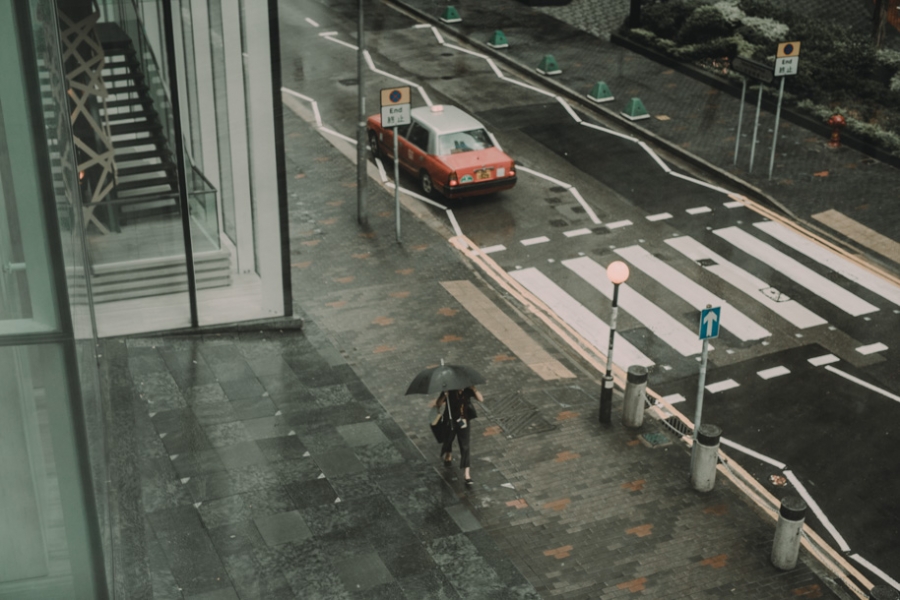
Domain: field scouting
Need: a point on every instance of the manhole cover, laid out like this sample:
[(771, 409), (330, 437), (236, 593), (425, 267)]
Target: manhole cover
[(517, 417), (774, 294), (707, 262)]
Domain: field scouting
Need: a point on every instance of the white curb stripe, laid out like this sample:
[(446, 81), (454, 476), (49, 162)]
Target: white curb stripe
[(818, 511), (884, 576), (590, 211), (624, 136), (311, 22), (495, 68), (328, 33), (864, 384), (453, 222), (437, 35), (467, 51), (659, 217), (369, 60), (825, 359), (530, 87), (536, 240), (336, 134), (492, 249), (871, 349), (773, 372), (721, 386), (618, 224), (655, 157), (542, 176), (576, 232), (569, 109), (698, 182), (698, 210)]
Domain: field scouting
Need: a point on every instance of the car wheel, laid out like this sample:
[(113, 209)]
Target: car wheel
[(373, 145), (426, 183)]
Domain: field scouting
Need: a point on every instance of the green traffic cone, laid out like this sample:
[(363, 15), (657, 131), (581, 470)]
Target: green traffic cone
[(498, 40), (548, 66), (635, 110), (601, 93), (451, 15)]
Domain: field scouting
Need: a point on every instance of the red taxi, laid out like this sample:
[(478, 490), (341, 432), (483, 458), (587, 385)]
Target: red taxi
[(448, 150)]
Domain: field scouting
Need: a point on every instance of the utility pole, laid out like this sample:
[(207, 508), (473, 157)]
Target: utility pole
[(362, 162)]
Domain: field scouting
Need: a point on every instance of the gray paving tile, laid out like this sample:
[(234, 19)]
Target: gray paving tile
[(362, 434), (336, 461), (282, 528), (313, 492), (239, 389), (362, 572), (463, 517), (240, 455)]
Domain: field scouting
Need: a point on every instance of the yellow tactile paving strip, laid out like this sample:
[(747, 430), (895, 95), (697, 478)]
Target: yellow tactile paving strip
[(506, 330), (859, 233)]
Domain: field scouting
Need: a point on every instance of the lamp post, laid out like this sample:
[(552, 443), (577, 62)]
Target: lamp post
[(617, 272)]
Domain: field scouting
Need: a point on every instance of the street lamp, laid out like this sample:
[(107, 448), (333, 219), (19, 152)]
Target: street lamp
[(617, 272)]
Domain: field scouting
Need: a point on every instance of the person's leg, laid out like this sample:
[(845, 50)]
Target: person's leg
[(447, 447), (464, 455)]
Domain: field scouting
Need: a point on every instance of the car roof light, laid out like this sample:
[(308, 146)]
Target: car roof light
[(437, 108)]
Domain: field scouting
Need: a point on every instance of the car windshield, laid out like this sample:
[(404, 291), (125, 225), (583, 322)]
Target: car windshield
[(463, 141)]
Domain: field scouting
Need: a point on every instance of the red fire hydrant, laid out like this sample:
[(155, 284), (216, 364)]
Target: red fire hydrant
[(836, 122)]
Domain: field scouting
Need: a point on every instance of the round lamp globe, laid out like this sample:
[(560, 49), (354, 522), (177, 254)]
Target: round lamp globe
[(617, 272)]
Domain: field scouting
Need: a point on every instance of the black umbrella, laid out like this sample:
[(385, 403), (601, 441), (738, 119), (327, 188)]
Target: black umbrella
[(443, 378)]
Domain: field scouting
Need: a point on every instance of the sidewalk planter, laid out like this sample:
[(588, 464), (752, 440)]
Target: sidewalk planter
[(635, 110), (548, 66), (451, 15)]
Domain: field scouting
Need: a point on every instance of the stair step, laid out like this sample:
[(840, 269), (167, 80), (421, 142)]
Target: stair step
[(134, 114), (158, 262), (142, 141), (151, 168), (142, 101), (139, 89), (129, 75), (126, 157), (139, 127), (159, 290), (202, 270), (149, 182)]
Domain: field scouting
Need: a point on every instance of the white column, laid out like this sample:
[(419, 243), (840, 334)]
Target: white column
[(237, 127), (263, 158)]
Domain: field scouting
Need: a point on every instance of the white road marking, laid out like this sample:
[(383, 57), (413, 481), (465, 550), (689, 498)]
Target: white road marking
[(576, 232), (542, 176), (872, 348), (794, 270), (753, 453), (884, 576), (773, 372), (674, 398), (569, 109), (698, 210), (721, 386), (618, 224), (818, 511), (835, 262), (825, 359), (790, 310), (492, 249), (461, 49), (381, 171), (311, 22), (659, 217), (661, 323), (655, 157), (733, 204), (369, 60), (327, 33), (437, 35), (495, 68), (330, 131), (421, 26), (535, 240), (624, 136), (862, 383), (701, 183), (331, 38), (582, 320), (693, 293), (590, 211), (454, 223)]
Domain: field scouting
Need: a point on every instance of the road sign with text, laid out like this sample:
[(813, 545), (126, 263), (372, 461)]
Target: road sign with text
[(395, 107), (709, 322)]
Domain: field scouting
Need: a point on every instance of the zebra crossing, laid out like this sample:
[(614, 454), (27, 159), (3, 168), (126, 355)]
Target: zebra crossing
[(818, 276)]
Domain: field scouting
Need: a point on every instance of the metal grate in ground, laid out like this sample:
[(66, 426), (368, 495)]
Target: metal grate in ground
[(517, 417)]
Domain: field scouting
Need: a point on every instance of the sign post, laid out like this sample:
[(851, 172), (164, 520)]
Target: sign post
[(786, 63), (395, 111), (763, 73), (709, 328)]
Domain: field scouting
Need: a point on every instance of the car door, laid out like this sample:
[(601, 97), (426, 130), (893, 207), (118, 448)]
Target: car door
[(414, 150)]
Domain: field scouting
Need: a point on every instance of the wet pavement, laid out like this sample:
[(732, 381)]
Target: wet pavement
[(284, 461)]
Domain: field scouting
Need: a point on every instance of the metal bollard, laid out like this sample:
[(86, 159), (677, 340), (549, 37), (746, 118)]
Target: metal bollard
[(883, 592), (705, 457), (633, 410), (787, 533)]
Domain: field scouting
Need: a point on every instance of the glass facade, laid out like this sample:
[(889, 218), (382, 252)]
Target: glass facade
[(96, 102)]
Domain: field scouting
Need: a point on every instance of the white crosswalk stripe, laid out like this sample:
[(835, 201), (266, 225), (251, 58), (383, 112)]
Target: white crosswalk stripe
[(733, 320), (801, 274), (790, 310), (836, 263), (588, 325), (661, 323)]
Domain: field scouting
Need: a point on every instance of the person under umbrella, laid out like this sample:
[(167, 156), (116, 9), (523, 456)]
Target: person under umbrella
[(460, 411)]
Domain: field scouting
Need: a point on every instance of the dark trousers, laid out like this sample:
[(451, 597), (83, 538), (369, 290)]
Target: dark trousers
[(462, 435)]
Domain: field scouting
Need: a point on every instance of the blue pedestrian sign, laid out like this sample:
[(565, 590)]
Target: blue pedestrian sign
[(709, 322)]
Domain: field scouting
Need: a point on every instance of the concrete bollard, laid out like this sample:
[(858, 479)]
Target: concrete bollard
[(786, 546), (705, 458), (633, 410), (883, 592)]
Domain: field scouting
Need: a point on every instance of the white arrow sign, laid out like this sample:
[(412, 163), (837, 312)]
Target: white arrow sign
[(709, 323)]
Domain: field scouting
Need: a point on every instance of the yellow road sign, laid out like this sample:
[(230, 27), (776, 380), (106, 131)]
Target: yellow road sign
[(788, 49), (392, 96)]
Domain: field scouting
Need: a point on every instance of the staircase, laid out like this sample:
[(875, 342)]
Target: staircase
[(146, 167)]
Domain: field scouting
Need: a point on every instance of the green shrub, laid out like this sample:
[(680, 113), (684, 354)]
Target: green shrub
[(666, 18), (763, 32), (716, 48), (705, 24), (768, 9)]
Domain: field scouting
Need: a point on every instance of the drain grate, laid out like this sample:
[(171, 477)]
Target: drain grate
[(517, 417), (678, 426), (655, 439), (707, 262)]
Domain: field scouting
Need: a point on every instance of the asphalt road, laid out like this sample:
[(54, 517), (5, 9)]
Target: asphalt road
[(687, 243)]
